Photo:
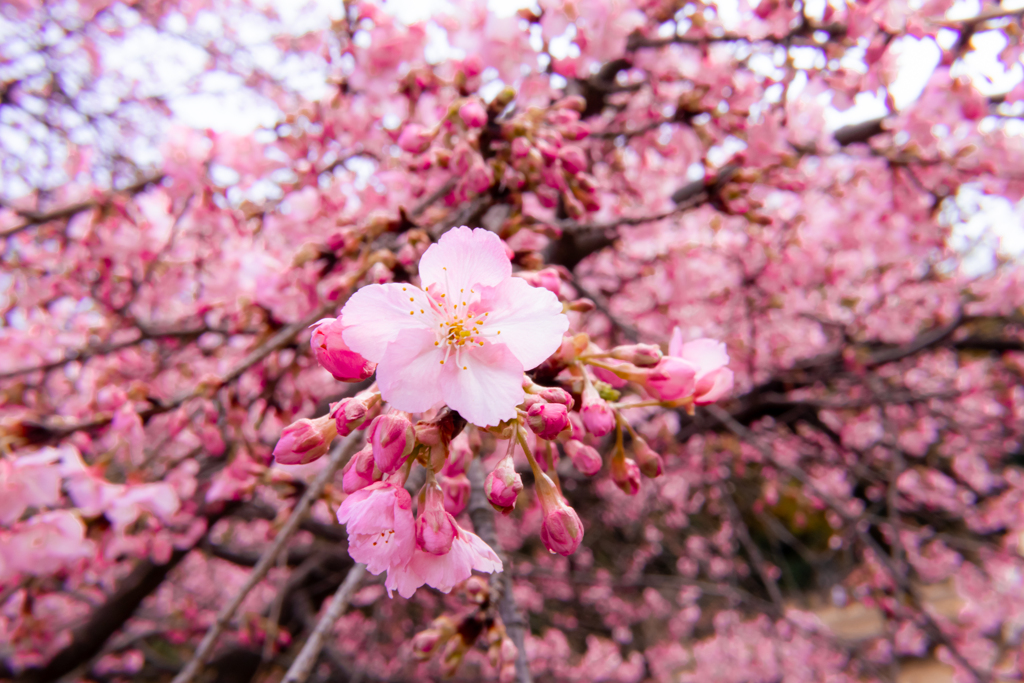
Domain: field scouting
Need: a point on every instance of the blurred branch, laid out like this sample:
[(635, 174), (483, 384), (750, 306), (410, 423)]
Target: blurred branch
[(339, 456), (304, 663)]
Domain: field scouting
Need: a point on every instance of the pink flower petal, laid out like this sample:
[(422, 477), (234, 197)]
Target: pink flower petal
[(486, 386), (377, 314), (473, 259), (530, 320), (409, 373), (706, 354)]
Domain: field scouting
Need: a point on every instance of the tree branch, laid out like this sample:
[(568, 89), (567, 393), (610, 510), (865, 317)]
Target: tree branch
[(340, 455)]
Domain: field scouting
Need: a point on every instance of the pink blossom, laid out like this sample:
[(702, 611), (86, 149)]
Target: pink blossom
[(473, 114), (547, 420), (334, 356), (503, 484), (305, 440), (381, 530), (713, 379), (444, 572), (466, 340), (393, 439), (435, 528), (671, 379), (47, 542), (584, 458), (31, 480)]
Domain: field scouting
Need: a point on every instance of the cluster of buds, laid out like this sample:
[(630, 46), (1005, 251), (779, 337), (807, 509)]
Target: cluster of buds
[(541, 156), (452, 637)]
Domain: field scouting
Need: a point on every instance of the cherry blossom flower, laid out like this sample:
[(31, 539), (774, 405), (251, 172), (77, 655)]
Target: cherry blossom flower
[(465, 339), (381, 529), (444, 572), (713, 379)]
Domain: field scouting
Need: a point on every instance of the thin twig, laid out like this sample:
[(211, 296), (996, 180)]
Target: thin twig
[(303, 664), (339, 456)]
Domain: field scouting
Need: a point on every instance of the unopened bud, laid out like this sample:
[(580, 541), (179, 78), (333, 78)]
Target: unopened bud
[(393, 438), (502, 485), (561, 531), (547, 420), (305, 440), (583, 305), (355, 412), (626, 474), (598, 417), (473, 114), (415, 138), (642, 355), (427, 642), (649, 462), (456, 493), (547, 278), (360, 471), (435, 528), (334, 355), (584, 458)]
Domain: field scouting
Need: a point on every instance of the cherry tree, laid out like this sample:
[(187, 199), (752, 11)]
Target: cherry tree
[(579, 343)]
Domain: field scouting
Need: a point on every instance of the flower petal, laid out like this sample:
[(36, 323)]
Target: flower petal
[(706, 354), (465, 259), (530, 320), (376, 314), (409, 372), (486, 386)]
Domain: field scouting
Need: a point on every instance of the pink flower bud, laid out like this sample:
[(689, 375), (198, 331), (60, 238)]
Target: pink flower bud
[(479, 177), (649, 462), (520, 147), (642, 355), (585, 458), (355, 412), (415, 138), (456, 493), (547, 420), (303, 441), (574, 159), (561, 530), (393, 438), (429, 641), (360, 471), (671, 379), (435, 528), (557, 395), (459, 455), (626, 475), (473, 114), (335, 356), (548, 278), (598, 417), (574, 131), (502, 486)]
